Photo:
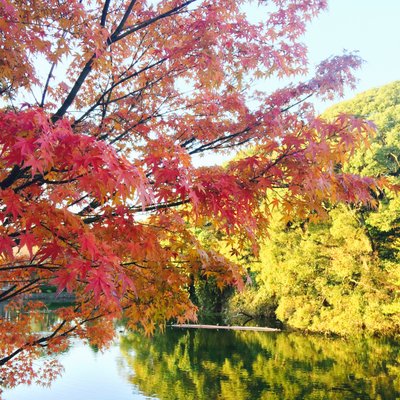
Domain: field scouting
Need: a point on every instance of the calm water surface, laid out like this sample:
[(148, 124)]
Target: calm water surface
[(226, 365)]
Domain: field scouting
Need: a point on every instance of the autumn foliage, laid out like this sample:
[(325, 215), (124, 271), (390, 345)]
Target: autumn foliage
[(105, 107)]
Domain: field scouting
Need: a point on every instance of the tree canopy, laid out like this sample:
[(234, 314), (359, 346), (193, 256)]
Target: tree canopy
[(340, 275), (104, 104)]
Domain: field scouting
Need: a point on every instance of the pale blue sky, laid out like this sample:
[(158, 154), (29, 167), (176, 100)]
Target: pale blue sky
[(370, 26)]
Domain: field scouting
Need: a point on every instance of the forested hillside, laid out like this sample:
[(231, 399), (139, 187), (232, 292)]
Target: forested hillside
[(342, 274)]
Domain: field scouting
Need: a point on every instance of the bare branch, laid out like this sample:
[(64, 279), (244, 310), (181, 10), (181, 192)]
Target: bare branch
[(151, 21), (46, 86), (123, 21), (20, 290), (104, 13)]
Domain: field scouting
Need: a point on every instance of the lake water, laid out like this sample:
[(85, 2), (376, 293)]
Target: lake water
[(226, 365)]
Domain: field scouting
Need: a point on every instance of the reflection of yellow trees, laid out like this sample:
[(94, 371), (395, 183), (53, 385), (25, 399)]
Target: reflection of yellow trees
[(249, 365)]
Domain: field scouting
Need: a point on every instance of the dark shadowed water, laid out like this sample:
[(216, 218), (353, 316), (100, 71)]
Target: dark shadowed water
[(227, 365)]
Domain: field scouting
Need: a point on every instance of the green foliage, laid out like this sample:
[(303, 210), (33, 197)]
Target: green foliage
[(205, 292), (210, 299), (326, 277), (341, 275), (48, 289), (252, 305), (382, 158), (382, 107)]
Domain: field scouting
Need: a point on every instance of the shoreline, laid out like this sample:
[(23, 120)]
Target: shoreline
[(227, 327)]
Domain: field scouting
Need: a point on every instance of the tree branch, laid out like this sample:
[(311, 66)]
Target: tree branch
[(104, 13), (74, 91), (46, 86), (123, 21), (152, 20), (20, 291)]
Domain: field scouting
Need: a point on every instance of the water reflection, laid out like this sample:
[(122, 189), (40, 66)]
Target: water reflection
[(248, 365), (226, 365)]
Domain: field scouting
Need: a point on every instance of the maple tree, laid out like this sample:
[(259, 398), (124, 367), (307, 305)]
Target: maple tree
[(104, 106)]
